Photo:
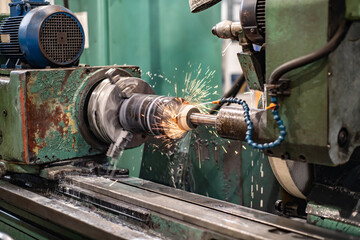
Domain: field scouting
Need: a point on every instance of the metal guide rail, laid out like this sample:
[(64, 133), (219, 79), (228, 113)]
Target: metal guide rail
[(100, 208)]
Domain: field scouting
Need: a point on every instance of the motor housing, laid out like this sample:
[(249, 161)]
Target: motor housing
[(41, 35)]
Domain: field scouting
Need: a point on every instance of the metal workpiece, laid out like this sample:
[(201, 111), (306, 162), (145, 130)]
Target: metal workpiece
[(229, 122), (203, 119), (227, 29)]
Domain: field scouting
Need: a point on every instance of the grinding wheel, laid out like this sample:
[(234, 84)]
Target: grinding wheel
[(295, 177)]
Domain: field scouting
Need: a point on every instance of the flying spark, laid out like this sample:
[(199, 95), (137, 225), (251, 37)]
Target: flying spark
[(197, 91)]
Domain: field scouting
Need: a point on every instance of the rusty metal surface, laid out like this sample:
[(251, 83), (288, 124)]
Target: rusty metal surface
[(41, 123), (51, 126)]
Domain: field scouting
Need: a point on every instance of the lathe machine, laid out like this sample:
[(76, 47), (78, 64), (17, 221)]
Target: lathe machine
[(64, 125)]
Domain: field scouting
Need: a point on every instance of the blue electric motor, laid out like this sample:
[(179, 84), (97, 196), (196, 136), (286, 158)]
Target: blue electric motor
[(39, 35)]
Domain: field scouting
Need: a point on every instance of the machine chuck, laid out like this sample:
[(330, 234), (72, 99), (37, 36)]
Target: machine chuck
[(118, 105)]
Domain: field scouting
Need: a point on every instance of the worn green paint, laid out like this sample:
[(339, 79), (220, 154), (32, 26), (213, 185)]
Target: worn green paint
[(334, 225), (352, 9), (304, 112), (52, 130), (11, 148), (247, 62), (4, 71), (332, 217), (22, 168)]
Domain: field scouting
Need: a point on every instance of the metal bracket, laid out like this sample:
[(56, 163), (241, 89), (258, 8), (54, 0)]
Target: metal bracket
[(282, 87), (120, 144), (110, 74)]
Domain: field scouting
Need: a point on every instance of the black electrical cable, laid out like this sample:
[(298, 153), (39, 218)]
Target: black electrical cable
[(233, 91), (304, 60)]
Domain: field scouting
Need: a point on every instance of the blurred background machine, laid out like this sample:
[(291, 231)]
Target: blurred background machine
[(65, 126)]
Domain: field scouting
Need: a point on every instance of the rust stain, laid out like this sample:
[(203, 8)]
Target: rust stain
[(83, 73), (23, 119), (67, 75), (74, 140), (43, 119), (67, 99)]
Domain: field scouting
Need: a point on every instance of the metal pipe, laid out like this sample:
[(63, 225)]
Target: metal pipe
[(203, 119)]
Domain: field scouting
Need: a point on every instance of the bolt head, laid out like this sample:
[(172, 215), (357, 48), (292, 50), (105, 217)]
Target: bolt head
[(343, 138)]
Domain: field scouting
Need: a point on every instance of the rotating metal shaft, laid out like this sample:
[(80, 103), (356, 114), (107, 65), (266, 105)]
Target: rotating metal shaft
[(203, 119)]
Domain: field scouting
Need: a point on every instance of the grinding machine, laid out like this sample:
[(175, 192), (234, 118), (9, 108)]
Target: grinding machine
[(64, 125), (306, 64)]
